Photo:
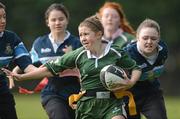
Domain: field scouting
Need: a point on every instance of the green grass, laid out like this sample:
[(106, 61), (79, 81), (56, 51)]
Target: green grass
[(29, 107), (173, 107)]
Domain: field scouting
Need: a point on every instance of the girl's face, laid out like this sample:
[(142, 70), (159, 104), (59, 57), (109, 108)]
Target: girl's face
[(57, 21), (2, 19), (148, 39), (110, 19), (89, 39)]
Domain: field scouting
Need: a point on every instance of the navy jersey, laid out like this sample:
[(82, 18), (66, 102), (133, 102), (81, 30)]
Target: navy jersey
[(43, 51), (148, 81), (11, 50)]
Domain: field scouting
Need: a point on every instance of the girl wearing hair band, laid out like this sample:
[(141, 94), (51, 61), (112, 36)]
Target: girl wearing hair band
[(150, 54), (90, 59), (116, 27)]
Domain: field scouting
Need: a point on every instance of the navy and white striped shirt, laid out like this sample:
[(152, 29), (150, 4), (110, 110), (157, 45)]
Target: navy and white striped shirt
[(12, 50), (43, 50)]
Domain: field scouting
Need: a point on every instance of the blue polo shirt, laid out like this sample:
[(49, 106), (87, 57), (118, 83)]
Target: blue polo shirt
[(11, 50), (151, 72), (44, 50)]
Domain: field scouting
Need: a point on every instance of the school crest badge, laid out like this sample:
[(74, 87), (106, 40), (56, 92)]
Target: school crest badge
[(8, 49)]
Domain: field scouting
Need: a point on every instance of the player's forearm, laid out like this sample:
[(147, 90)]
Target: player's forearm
[(27, 69), (17, 70), (30, 68), (135, 75), (38, 73)]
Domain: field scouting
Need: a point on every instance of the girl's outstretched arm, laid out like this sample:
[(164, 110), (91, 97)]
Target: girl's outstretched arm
[(38, 73)]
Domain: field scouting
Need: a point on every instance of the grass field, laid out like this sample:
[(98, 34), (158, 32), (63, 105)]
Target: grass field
[(29, 107)]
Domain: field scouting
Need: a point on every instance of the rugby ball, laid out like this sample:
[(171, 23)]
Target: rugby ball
[(112, 77)]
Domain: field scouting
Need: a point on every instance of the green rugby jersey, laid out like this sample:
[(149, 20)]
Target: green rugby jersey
[(123, 40), (90, 66)]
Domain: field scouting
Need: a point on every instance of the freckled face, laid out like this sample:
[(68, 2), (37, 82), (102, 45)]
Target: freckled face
[(148, 39), (88, 38)]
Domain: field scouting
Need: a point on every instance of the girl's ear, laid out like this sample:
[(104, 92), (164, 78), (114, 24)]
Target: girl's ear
[(99, 34)]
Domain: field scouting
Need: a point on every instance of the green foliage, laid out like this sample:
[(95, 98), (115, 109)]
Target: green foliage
[(26, 17)]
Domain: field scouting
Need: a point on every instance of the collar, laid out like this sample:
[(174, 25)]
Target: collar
[(107, 49), (107, 40), (1, 34), (117, 33), (149, 57), (65, 38)]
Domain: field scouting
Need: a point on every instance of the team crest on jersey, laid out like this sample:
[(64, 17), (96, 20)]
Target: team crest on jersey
[(8, 49)]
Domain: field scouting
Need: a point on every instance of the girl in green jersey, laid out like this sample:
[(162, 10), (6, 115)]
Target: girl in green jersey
[(97, 102), (117, 30)]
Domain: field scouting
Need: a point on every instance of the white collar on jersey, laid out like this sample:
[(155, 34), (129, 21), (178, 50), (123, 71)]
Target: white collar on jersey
[(151, 59), (56, 45), (89, 55), (1, 34), (65, 38)]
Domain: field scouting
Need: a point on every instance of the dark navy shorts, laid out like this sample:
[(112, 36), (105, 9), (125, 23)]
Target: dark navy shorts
[(7, 106), (151, 105), (58, 108)]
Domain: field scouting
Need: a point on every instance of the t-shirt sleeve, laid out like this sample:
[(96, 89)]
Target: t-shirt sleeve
[(21, 55), (34, 55), (67, 61)]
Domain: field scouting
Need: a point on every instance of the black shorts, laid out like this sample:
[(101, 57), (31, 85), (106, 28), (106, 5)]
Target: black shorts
[(58, 108), (151, 105), (7, 106)]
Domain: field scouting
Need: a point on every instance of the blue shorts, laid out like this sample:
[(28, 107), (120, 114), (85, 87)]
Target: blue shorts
[(58, 108), (7, 106), (151, 105)]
